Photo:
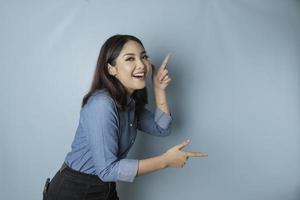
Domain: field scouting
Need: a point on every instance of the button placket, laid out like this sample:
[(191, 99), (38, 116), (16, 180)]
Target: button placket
[(132, 119)]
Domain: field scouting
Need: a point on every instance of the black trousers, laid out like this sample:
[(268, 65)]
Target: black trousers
[(69, 184)]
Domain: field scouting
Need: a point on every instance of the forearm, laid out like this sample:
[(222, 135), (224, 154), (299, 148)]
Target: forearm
[(161, 100), (151, 164)]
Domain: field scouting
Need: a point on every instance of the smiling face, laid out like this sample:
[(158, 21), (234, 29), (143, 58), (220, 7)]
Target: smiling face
[(132, 66)]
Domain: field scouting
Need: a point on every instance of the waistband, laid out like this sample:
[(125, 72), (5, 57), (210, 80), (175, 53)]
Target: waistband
[(83, 177)]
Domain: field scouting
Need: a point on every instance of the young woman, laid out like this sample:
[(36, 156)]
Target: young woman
[(111, 113)]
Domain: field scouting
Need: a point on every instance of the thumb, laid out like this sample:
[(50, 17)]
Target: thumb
[(183, 144)]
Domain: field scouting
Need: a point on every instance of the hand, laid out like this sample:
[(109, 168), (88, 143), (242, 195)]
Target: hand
[(161, 77), (176, 157)]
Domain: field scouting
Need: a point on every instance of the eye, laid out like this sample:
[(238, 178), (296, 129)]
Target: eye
[(145, 57), (130, 59)]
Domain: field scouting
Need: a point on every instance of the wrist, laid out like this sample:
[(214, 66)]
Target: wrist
[(164, 161), (160, 95), (156, 89)]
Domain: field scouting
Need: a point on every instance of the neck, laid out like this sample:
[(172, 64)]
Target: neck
[(129, 92)]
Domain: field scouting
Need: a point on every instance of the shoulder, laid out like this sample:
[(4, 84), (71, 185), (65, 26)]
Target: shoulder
[(100, 100)]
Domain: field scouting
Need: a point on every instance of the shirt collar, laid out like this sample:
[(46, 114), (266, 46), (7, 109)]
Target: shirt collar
[(129, 99)]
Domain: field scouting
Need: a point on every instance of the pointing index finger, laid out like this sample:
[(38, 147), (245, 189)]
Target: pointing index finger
[(165, 61), (196, 154)]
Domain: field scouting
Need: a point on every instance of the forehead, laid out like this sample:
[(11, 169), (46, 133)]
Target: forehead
[(132, 47)]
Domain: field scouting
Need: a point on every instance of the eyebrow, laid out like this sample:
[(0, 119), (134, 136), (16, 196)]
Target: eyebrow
[(143, 52)]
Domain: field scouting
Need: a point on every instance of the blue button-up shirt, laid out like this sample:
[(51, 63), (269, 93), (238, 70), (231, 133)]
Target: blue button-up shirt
[(105, 135)]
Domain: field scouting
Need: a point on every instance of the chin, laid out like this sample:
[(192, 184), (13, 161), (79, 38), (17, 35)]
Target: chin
[(140, 87)]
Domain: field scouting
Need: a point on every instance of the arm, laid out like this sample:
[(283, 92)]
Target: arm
[(161, 100), (151, 165), (161, 80), (158, 124), (100, 120)]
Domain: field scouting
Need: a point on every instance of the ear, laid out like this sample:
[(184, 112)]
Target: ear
[(112, 70)]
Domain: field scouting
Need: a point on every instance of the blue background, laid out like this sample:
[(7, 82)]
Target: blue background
[(235, 70)]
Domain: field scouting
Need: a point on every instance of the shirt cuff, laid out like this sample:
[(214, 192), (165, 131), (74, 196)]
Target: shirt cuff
[(162, 119), (127, 169)]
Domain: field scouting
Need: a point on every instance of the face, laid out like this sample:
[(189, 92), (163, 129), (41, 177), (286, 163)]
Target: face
[(132, 66)]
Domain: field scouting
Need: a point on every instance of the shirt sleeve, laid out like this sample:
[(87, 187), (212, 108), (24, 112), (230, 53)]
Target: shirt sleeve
[(100, 118), (158, 124)]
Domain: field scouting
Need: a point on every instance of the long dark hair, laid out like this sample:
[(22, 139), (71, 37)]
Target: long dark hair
[(110, 50)]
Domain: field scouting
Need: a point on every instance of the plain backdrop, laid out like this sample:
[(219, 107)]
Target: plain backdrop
[(235, 70)]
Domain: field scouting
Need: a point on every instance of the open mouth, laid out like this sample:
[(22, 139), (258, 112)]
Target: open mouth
[(140, 76)]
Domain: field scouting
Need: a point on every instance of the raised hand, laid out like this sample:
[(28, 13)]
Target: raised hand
[(161, 78)]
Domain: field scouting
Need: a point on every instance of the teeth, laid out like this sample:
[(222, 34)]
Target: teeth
[(142, 74), (139, 75)]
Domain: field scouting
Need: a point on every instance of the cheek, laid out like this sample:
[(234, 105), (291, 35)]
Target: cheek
[(129, 71), (126, 75), (126, 70)]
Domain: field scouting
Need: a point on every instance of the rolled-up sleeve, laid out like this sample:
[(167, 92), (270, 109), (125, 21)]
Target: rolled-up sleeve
[(158, 124), (100, 119)]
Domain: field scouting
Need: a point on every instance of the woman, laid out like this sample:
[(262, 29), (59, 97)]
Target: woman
[(110, 115)]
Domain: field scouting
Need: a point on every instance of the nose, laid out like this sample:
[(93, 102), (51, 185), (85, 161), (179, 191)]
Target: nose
[(140, 64)]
